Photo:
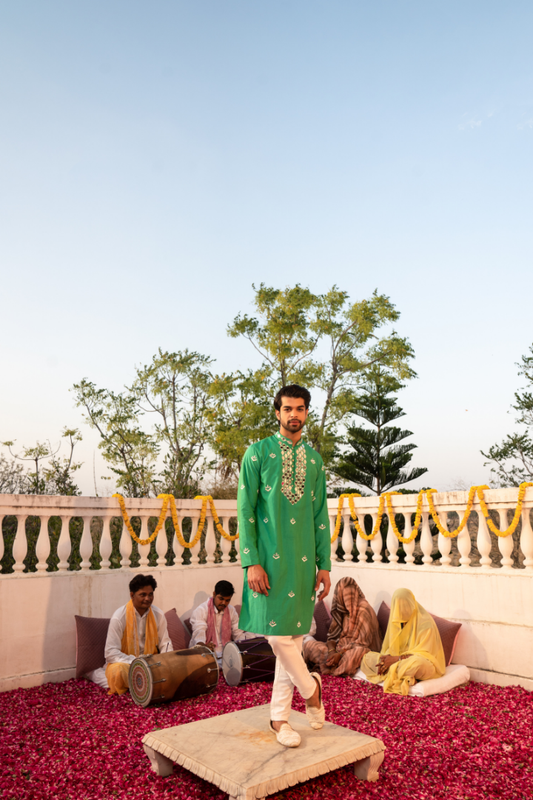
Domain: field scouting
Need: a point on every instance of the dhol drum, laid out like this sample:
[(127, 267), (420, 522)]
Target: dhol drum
[(173, 676), (249, 660)]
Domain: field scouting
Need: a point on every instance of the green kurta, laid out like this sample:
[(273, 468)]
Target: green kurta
[(284, 526)]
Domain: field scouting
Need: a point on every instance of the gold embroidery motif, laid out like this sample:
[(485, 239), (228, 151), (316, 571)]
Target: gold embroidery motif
[(295, 494)]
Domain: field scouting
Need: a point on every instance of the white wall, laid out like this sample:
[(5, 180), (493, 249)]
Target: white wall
[(37, 630)]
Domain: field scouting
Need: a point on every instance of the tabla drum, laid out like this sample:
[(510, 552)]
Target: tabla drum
[(173, 676), (247, 661)]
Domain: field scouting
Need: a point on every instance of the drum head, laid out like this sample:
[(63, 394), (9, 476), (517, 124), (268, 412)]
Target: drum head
[(232, 664), (141, 682)]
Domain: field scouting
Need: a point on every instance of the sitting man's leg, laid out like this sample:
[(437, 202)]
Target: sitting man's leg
[(117, 677)]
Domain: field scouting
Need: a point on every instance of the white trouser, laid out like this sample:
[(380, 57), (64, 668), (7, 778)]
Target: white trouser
[(291, 671)]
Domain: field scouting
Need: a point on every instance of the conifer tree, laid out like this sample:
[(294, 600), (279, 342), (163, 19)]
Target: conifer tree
[(375, 460)]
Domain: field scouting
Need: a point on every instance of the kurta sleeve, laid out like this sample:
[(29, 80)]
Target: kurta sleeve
[(113, 644), (236, 633), (198, 622), (246, 507), (322, 531)]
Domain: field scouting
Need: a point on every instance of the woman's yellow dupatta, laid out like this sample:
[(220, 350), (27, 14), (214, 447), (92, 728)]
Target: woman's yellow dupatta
[(117, 674)]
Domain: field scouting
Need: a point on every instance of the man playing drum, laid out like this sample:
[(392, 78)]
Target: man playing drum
[(285, 550), (138, 628), (216, 622)]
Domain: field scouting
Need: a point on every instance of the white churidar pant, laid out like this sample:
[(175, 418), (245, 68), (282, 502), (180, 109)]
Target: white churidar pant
[(291, 671)]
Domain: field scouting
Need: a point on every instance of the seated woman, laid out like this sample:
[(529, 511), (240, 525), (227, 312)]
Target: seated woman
[(354, 630), (412, 649)]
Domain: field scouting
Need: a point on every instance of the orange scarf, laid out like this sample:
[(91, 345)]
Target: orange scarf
[(130, 637)]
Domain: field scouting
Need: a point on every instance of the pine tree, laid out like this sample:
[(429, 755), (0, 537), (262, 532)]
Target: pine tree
[(375, 459)]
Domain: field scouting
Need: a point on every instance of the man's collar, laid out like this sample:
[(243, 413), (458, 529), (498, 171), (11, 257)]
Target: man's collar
[(289, 441)]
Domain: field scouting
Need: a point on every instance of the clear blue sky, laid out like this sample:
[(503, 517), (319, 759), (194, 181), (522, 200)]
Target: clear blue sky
[(158, 158)]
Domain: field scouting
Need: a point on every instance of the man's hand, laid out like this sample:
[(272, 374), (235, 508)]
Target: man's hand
[(258, 579), (211, 645), (323, 578)]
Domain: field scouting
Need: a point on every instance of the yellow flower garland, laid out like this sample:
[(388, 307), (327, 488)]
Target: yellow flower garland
[(129, 526), (518, 510), (206, 498)]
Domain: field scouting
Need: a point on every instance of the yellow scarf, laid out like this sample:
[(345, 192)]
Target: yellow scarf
[(130, 637)]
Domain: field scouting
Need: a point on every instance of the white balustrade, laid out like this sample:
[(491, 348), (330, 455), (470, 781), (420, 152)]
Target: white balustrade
[(334, 544), (444, 542), (20, 545), (225, 544), (41, 509), (86, 544), (347, 538), (526, 539), (42, 547), (106, 545)]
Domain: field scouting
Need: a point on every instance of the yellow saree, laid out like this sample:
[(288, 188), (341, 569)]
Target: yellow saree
[(411, 633)]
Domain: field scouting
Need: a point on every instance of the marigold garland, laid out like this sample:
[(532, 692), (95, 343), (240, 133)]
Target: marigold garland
[(169, 499), (518, 510)]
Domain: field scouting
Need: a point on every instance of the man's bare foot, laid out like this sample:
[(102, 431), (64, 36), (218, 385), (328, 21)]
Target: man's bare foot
[(314, 700), (276, 724)]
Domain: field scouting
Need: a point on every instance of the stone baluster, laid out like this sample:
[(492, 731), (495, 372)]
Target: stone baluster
[(484, 544), (376, 544), (444, 542), (335, 544), (125, 546), (361, 543), (144, 549), (225, 544), (505, 543), (464, 545), (210, 540), (161, 546), (64, 544), (409, 547), (237, 544), (195, 551), (392, 544), (347, 538), (86, 544), (526, 539), (106, 545), (2, 546), (42, 547), (20, 545), (426, 540)]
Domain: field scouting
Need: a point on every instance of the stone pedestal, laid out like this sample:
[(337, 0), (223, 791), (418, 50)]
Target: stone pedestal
[(238, 753)]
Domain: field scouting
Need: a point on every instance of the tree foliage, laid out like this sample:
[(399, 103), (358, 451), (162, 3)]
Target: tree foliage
[(511, 461), (50, 475), (376, 459)]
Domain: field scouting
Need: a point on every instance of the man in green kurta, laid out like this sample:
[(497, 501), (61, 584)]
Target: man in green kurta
[(285, 549)]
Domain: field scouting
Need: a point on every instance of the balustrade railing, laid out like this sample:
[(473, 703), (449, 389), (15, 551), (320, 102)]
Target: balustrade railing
[(87, 533)]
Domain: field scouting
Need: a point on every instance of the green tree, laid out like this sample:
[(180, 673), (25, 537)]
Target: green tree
[(175, 388), (241, 413), (130, 452), (292, 324), (376, 459), (54, 478), (511, 461)]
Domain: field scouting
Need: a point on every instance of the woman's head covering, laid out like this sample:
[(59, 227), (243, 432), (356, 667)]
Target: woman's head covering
[(412, 630)]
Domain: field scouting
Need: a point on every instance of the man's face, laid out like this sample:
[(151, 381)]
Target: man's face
[(292, 414), (142, 599), (220, 602)]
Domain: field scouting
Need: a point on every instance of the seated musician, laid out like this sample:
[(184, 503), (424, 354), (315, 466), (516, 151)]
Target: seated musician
[(412, 648), (216, 622), (138, 628)]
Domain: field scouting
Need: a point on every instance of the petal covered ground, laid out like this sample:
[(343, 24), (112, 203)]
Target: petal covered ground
[(70, 741)]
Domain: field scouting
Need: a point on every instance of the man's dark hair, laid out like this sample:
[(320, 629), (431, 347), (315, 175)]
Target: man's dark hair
[(292, 391), (139, 581), (224, 589)]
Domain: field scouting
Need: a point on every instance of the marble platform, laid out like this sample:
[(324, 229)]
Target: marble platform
[(238, 754)]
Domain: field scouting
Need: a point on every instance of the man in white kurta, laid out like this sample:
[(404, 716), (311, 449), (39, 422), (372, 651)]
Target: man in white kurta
[(199, 621), (142, 589)]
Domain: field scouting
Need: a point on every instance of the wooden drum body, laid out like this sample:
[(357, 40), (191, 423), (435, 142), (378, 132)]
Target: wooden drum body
[(250, 660), (173, 676)]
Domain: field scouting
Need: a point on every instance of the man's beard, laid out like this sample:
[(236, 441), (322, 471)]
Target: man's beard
[(292, 428)]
